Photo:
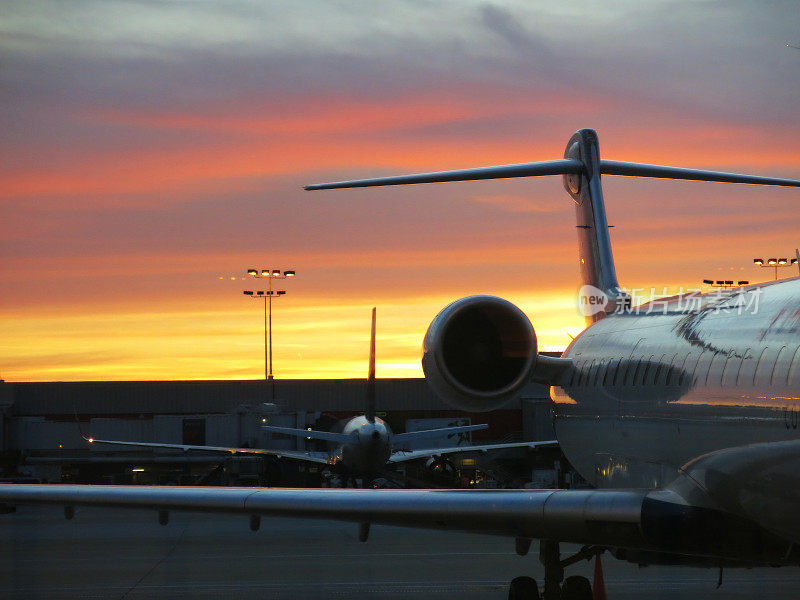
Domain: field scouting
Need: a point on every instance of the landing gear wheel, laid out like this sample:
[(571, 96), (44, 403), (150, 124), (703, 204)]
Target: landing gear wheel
[(576, 588), (523, 588)]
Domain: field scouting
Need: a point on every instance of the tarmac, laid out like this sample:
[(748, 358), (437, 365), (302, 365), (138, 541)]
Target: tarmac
[(126, 554)]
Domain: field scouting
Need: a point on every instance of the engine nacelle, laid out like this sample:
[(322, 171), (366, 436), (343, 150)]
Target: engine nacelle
[(479, 352), (441, 470)]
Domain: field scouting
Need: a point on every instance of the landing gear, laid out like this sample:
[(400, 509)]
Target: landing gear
[(574, 587), (523, 588), (550, 557)]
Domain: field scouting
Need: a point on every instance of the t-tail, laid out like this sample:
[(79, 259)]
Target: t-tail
[(481, 351), (581, 168), (598, 275)]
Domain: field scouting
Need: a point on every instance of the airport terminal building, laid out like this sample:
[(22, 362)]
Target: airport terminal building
[(42, 424)]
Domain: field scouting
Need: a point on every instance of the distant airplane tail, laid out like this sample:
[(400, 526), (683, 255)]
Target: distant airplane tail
[(581, 168), (369, 413)]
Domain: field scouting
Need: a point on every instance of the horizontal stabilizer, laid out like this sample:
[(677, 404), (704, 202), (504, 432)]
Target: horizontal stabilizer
[(615, 167), (565, 166), (550, 167), (406, 455), (303, 456), (405, 438), (164, 446), (339, 438)]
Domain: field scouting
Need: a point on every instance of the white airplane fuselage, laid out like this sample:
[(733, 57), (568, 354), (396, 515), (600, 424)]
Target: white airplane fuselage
[(370, 449), (650, 392)]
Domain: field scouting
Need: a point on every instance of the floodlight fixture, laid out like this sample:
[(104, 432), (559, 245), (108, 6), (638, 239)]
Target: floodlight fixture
[(775, 263)]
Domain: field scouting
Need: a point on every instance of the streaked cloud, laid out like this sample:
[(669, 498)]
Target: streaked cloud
[(151, 147)]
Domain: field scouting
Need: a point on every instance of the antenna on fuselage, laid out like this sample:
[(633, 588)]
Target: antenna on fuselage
[(370, 412)]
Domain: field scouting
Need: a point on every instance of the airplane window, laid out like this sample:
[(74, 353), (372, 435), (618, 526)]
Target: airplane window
[(776, 368), (793, 375), (648, 370), (637, 373), (717, 364), (600, 367), (758, 371), (657, 374), (586, 374), (626, 371), (661, 369), (669, 370), (746, 369), (617, 369), (683, 375), (697, 368), (630, 375), (731, 369), (587, 370), (631, 365), (609, 369), (573, 375)]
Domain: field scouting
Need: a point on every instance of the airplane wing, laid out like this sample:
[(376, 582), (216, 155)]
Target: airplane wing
[(637, 520), (562, 515), (404, 438), (404, 456), (314, 457)]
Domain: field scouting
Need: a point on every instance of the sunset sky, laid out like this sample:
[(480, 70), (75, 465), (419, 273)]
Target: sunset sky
[(153, 151)]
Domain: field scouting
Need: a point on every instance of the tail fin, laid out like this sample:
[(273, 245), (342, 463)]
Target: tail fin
[(581, 168), (370, 412), (598, 275)]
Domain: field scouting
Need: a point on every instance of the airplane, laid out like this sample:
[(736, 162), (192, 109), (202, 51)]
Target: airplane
[(366, 447), (683, 412)]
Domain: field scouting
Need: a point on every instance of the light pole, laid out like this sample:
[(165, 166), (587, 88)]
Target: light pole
[(775, 263), (267, 295)]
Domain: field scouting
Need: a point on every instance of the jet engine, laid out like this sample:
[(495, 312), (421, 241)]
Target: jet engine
[(441, 470), (479, 352)]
